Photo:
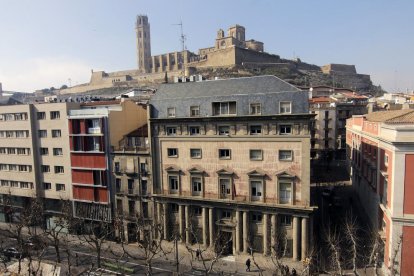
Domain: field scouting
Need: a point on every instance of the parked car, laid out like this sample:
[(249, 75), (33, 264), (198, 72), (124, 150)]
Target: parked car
[(35, 243), (12, 252)]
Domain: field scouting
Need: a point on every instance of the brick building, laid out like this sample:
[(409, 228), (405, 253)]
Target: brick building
[(380, 149)]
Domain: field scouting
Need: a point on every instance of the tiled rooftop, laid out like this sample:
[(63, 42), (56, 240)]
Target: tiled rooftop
[(404, 116)]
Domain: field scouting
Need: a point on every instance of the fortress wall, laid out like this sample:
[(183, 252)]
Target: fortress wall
[(220, 58), (350, 69), (246, 55)]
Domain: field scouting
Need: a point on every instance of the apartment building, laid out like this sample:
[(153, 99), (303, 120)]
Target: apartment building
[(34, 156), (380, 149), (132, 181), (328, 135), (94, 130), (231, 162)]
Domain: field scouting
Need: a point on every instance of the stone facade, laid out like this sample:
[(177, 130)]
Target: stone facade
[(233, 166)]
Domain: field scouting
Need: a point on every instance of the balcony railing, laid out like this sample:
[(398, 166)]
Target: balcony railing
[(94, 130), (130, 148)]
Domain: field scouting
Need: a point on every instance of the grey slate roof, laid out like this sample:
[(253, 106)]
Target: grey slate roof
[(224, 87)]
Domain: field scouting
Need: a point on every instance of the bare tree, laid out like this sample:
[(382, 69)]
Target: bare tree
[(206, 260), (61, 224), (352, 237), (394, 264), (149, 236), (334, 239), (95, 234)]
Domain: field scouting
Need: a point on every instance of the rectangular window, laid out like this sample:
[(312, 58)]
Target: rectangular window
[(13, 167), (224, 130), (194, 111), (255, 109), (11, 150), (198, 211), (4, 167), (56, 133), (59, 169), (225, 214), (171, 131), (20, 116), (14, 184), (45, 168), (173, 183), (285, 129), (47, 186), (9, 134), (118, 185), (285, 192), (172, 152), (386, 159), (171, 112), (57, 151), (54, 115), (256, 154), (23, 151), (21, 134), (224, 154), (24, 185), (131, 207), (285, 220), (225, 187), (5, 182), (285, 107), (285, 155), (196, 185), (224, 108), (117, 167), (194, 130), (60, 187), (256, 217), (42, 133), (256, 189), (41, 115), (44, 151), (25, 168), (3, 150), (195, 153), (174, 208), (255, 130)]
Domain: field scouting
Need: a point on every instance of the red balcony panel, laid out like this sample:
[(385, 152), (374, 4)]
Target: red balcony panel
[(101, 195), (82, 177), (83, 193), (88, 160), (82, 127)]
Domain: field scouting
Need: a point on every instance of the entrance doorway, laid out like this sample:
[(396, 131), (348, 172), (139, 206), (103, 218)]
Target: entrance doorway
[(225, 243)]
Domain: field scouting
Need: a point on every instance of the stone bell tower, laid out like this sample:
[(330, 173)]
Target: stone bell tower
[(143, 43)]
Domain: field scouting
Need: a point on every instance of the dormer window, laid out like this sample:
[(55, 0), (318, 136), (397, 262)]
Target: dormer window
[(285, 107), (224, 108), (255, 109), (171, 112)]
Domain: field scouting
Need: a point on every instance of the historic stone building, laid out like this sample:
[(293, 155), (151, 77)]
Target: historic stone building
[(231, 162)]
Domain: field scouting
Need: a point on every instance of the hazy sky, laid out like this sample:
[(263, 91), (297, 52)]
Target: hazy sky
[(45, 43)]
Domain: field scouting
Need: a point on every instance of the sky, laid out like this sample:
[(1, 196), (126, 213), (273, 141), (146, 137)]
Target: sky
[(47, 43)]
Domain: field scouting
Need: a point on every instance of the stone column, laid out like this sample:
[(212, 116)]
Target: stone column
[(165, 209), (211, 225), (180, 222), (265, 234), (125, 227), (273, 231), (246, 232), (304, 232), (238, 231), (187, 224), (295, 233), (204, 218)]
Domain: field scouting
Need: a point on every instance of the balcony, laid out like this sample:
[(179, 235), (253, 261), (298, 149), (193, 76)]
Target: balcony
[(94, 130)]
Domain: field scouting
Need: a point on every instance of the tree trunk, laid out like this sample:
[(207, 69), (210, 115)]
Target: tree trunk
[(57, 252)]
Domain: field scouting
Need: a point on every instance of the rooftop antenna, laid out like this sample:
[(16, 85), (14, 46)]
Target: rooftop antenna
[(182, 36)]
